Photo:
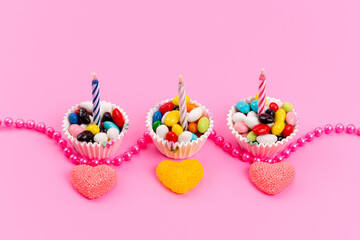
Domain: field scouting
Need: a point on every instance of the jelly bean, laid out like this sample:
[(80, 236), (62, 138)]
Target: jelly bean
[(252, 114), (167, 107), (108, 125), (163, 117), (251, 136), (171, 137), (156, 125), (194, 137), (118, 118), (280, 115), (291, 118), (84, 116), (77, 111), (112, 133), (106, 117), (288, 129), (172, 118), (73, 118), (88, 106), (101, 137), (190, 106), (254, 105), (288, 107), (175, 100), (177, 129), (261, 129), (185, 136), (192, 127), (274, 106), (277, 128), (240, 127), (251, 122), (266, 118), (85, 136), (266, 139), (270, 112), (157, 116), (203, 124), (75, 130), (238, 116), (243, 107), (93, 128), (106, 107), (195, 114), (162, 130)]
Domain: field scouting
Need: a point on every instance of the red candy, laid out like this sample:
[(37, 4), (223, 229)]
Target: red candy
[(118, 117), (274, 106), (261, 129), (287, 130), (171, 137), (77, 111), (166, 107)]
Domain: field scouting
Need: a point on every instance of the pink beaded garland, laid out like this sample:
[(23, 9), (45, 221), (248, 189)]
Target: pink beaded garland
[(227, 147), (117, 161), (106, 161), (56, 136), (293, 146), (8, 122), (135, 149), (30, 124), (286, 153), (245, 157), (358, 132), (74, 159), (95, 162), (50, 132), (0, 122), (339, 128), (235, 152), (310, 136), (147, 136), (40, 127), (19, 123), (318, 131), (301, 141), (83, 161), (62, 143), (141, 142), (212, 134), (350, 129), (127, 156), (67, 151), (328, 128), (219, 140)]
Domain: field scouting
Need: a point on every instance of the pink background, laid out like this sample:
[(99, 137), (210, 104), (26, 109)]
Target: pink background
[(310, 50)]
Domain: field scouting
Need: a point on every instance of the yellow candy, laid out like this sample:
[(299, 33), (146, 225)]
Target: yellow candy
[(280, 115), (172, 118), (177, 129), (93, 128), (277, 128), (257, 98), (175, 100)]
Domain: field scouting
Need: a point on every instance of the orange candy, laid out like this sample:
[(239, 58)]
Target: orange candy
[(192, 127), (190, 106)]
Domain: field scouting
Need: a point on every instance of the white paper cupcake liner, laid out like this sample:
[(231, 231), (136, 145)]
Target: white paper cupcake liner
[(95, 150), (178, 150), (260, 150)]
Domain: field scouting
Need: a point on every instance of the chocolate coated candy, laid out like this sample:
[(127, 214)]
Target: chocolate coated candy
[(106, 117), (266, 118), (84, 116), (270, 112), (85, 136)]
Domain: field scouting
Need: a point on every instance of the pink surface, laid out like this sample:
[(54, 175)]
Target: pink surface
[(310, 50)]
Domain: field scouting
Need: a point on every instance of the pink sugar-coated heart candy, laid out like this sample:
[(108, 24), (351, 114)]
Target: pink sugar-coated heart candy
[(272, 178), (240, 127), (291, 118), (93, 182), (75, 130)]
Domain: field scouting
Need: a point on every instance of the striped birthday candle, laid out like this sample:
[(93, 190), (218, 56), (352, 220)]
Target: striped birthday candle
[(262, 92), (96, 100), (182, 104)]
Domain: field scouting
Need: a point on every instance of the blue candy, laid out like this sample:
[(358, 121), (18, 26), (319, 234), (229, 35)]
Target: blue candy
[(157, 116), (243, 107), (108, 125), (194, 137), (73, 118), (254, 105)]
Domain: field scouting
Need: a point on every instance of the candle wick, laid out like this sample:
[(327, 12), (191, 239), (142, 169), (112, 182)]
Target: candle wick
[(94, 75), (263, 72), (180, 79)]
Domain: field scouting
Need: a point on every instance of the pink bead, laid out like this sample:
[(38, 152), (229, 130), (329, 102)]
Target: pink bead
[(67, 151), (19, 123), (49, 132), (74, 159), (106, 161), (94, 162), (117, 161), (358, 132), (83, 161), (62, 143), (127, 156), (56, 136), (212, 135), (30, 124), (286, 153), (293, 146), (318, 131), (258, 159), (235, 152), (219, 140), (227, 147), (278, 158), (245, 157), (135, 149), (147, 136), (40, 127), (301, 141), (310, 136), (269, 160), (8, 122), (328, 128), (0, 122), (141, 142), (339, 128), (350, 129)]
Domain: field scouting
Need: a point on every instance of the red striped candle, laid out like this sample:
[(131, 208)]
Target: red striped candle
[(182, 104), (262, 92)]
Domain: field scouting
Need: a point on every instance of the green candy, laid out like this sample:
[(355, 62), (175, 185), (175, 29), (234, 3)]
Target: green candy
[(203, 124), (251, 136), (155, 125), (288, 107)]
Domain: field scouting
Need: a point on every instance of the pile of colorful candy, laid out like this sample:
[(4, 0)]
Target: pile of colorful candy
[(165, 122), (84, 130), (276, 123)]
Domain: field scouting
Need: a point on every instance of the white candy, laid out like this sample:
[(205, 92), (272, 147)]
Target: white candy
[(112, 133), (185, 136), (88, 106), (84, 126), (267, 138), (106, 107), (163, 117), (238, 116), (100, 137), (161, 131), (251, 122), (195, 114), (252, 114)]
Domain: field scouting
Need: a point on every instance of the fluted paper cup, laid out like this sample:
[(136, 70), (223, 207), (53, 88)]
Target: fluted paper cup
[(260, 150), (95, 150), (178, 150)]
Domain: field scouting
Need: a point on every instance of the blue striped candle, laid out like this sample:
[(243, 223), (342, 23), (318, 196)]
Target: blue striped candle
[(96, 100)]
